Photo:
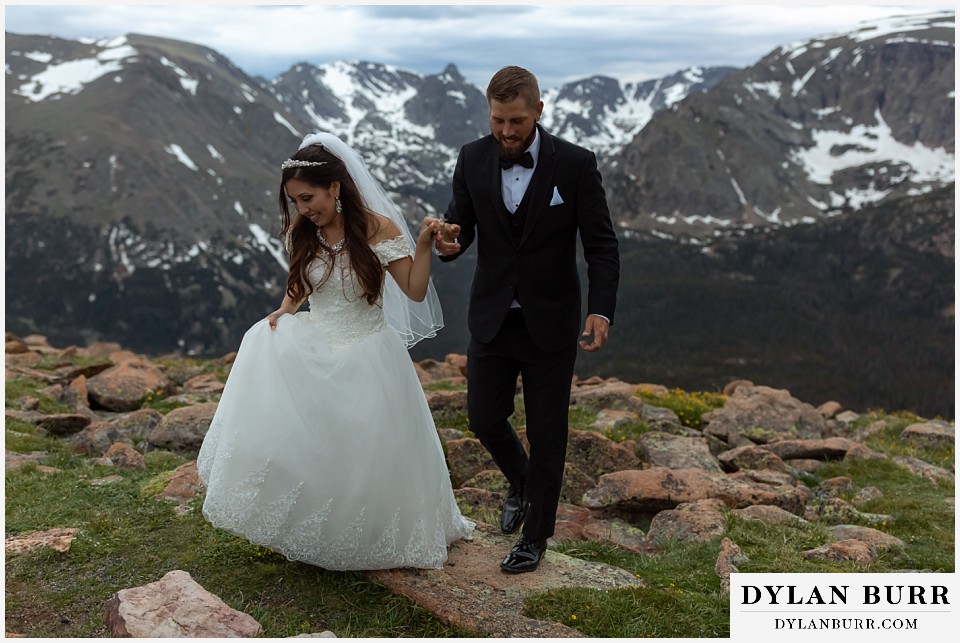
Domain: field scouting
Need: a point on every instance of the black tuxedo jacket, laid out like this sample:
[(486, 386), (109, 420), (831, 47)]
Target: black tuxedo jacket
[(538, 265)]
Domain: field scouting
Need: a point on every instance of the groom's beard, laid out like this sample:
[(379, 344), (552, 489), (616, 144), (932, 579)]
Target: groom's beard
[(517, 152)]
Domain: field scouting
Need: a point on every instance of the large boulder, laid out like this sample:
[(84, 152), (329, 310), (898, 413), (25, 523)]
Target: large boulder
[(447, 401), (938, 434), (138, 424), (606, 394), (595, 454), (877, 539), (466, 458), (931, 472), (122, 456), (63, 424), (677, 452), (827, 449), (660, 488), (752, 457), (126, 385), (691, 521), (176, 606), (182, 430), (764, 414)]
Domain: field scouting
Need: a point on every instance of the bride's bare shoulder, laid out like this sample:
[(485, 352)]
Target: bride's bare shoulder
[(383, 229)]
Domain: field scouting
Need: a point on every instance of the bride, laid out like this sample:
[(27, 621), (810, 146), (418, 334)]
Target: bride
[(323, 447)]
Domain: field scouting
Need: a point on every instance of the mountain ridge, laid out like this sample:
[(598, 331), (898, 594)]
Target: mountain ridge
[(162, 231)]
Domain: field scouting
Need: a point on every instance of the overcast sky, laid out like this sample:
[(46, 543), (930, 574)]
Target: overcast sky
[(559, 43)]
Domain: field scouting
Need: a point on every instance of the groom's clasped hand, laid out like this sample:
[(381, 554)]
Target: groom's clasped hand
[(431, 229), (445, 237)]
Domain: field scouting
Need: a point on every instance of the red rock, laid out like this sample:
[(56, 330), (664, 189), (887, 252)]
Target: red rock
[(659, 488), (56, 539), (730, 556), (183, 429), (184, 485), (123, 456), (855, 550), (124, 387), (175, 606)]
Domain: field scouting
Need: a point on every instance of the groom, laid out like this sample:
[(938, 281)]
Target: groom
[(525, 196)]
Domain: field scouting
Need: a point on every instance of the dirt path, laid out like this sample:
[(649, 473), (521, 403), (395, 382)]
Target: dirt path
[(473, 593)]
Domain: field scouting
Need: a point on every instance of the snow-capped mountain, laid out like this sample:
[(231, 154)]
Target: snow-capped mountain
[(814, 129), (603, 115), (408, 126), (152, 165), (141, 173)]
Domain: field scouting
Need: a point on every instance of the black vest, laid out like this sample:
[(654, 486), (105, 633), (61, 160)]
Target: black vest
[(519, 218)]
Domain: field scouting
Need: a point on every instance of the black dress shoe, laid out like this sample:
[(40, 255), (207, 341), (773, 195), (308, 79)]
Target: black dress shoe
[(525, 556), (514, 509)]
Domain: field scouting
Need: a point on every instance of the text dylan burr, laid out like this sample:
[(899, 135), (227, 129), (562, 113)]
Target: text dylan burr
[(838, 594)]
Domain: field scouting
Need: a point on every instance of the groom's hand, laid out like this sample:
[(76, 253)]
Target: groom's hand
[(445, 239), (599, 328)]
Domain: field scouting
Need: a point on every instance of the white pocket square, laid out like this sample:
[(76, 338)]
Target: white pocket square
[(556, 200)]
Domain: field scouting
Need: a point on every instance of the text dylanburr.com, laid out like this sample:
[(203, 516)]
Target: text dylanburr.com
[(844, 607)]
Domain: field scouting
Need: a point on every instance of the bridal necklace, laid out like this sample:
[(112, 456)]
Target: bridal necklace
[(336, 247)]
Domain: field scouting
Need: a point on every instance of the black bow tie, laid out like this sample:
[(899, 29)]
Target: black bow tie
[(526, 160)]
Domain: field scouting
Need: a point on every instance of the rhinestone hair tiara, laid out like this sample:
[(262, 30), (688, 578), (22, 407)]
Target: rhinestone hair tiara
[(292, 163)]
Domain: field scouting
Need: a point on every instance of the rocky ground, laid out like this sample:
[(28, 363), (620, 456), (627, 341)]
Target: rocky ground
[(748, 458)]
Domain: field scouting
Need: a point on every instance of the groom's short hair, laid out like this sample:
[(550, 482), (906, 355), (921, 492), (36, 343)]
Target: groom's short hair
[(511, 82)]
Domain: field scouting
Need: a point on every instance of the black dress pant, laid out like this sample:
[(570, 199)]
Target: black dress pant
[(492, 370)]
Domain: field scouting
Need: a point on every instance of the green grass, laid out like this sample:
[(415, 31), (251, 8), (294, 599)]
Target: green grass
[(452, 420), (922, 517), (681, 597), (179, 369), (578, 417), (159, 403), (628, 431), (23, 437), (50, 362), (15, 389), (444, 385), (888, 440), (129, 538)]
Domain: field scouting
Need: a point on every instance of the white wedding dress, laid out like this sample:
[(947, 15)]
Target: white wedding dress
[(322, 447)]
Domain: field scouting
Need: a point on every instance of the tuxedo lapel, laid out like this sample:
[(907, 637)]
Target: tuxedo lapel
[(538, 192), (495, 183)]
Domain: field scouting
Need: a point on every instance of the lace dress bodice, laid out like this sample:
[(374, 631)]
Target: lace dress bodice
[(338, 305)]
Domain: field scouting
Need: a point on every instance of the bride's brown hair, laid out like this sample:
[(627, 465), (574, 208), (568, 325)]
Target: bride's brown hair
[(300, 233)]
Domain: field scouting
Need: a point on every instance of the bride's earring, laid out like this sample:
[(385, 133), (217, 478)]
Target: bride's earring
[(338, 205)]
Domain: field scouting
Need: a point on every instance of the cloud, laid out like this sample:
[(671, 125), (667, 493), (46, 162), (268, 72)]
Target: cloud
[(559, 42)]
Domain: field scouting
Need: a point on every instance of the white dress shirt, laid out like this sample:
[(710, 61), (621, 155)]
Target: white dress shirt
[(515, 180)]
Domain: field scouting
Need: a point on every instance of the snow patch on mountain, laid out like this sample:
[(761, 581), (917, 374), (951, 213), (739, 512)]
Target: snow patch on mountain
[(186, 81), (892, 27), (834, 151), (264, 241), (182, 156), (280, 119), (70, 77)]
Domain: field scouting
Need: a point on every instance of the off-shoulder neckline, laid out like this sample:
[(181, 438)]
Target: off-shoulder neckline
[(398, 237)]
